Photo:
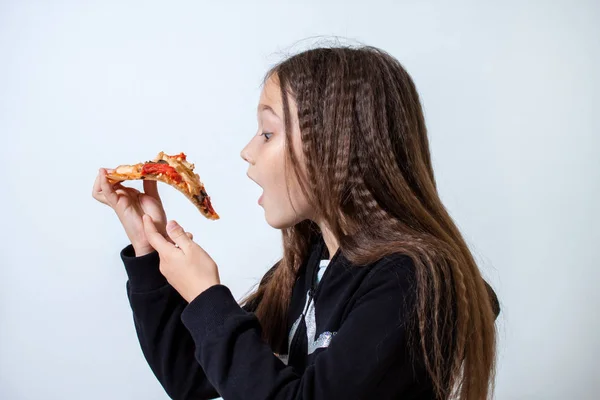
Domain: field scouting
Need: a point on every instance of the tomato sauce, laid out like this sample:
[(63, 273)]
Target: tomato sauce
[(153, 168)]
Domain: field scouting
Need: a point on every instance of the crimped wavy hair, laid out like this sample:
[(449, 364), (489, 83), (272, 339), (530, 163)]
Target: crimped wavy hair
[(369, 176)]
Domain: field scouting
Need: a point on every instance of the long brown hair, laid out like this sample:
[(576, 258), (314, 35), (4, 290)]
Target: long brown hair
[(370, 178)]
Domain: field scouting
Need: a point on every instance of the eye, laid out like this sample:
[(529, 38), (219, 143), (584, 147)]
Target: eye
[(267, 135)]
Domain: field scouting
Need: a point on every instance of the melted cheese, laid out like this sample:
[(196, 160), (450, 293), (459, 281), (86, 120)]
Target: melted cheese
[(185, 169), (129, 170)]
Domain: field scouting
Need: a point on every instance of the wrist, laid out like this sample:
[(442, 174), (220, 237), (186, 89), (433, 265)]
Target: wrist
[(199, 289), (142, 250)]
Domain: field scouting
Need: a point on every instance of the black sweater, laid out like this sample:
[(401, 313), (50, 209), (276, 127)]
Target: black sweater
[(348, 335)]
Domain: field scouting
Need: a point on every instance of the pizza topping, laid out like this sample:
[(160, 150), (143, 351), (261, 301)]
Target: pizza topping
[(174, 170), (156, 168), (127, 170), (180, 156), (208, 205), (204, 200), (200, 197)]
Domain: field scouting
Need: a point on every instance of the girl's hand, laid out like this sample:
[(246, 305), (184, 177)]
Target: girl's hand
[(187, 267), (130, 204)]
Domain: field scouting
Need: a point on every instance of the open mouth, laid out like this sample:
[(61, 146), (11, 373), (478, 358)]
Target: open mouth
[(260, 199)]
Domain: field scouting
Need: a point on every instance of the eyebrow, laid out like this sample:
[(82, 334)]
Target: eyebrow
[(266, 107)]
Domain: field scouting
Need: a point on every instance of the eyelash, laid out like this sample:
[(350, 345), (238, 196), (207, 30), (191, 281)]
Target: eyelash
[(265, 135)]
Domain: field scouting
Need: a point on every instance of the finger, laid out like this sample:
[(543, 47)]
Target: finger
[(178, 235), (109, 194), (118, 185), (97, 190), (190, 235), (132, 192), (156, 240), (151, 189)]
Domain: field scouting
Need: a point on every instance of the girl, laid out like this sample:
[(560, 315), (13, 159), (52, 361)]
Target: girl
[(376, 296)]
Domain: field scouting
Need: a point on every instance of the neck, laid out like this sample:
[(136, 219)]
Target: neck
[(330, 240)]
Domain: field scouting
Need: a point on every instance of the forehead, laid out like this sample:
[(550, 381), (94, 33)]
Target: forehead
[(271, 94)]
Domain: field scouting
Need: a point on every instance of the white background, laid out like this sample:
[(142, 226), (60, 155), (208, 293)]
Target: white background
[(511, 95)]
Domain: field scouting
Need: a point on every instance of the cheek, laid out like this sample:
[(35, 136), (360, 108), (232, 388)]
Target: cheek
[(283, 210)]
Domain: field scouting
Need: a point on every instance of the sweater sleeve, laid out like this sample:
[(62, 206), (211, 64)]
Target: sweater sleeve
[(166, 344), (370, 340)]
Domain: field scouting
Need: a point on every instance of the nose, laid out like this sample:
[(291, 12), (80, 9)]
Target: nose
[(245, 154)]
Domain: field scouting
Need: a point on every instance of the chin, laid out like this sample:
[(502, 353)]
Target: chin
[(278, 223), (281, 221)]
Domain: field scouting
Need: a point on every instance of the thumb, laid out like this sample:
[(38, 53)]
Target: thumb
[(178, 235)]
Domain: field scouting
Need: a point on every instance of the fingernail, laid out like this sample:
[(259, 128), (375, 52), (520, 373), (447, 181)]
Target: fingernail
[(172, 225)]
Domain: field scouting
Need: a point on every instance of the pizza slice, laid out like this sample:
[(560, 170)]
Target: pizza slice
[(175, 171)]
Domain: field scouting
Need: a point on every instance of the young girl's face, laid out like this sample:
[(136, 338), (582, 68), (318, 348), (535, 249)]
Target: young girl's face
[(265, 154)]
